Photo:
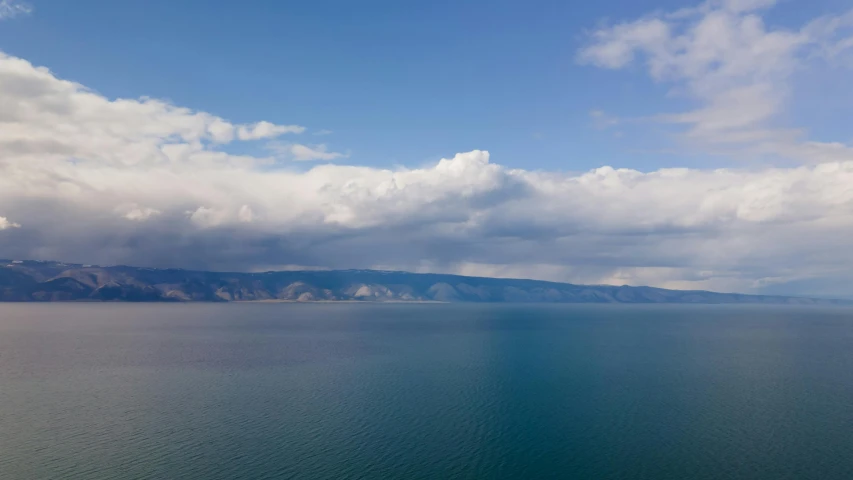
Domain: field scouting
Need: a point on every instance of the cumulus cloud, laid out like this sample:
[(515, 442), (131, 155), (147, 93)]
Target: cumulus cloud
[(723, 56), (13, 8), (53, 120), (145, 182), (5, 223)]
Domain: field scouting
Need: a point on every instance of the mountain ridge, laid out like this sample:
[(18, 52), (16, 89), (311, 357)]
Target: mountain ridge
[(48, 281)]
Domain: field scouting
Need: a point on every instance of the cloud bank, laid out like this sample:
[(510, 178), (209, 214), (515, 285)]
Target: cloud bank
[(89, 179)]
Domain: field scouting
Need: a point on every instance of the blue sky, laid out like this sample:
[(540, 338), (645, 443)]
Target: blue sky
[(397, 82), (682, 144)]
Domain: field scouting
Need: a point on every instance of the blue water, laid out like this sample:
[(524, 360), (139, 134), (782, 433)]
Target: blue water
[(344, 391)]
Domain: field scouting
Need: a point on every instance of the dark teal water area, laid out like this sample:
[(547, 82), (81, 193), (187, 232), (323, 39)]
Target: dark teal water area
[(343, 391)]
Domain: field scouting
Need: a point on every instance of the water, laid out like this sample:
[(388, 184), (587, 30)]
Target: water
[(342, 391)]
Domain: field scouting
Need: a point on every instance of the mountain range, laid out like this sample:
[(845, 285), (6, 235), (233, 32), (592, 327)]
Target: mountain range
[(41, 281)]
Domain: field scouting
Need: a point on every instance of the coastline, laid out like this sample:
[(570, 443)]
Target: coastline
[(370, 302)]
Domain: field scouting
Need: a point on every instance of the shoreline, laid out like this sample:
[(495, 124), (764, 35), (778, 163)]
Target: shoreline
[(370, 302)]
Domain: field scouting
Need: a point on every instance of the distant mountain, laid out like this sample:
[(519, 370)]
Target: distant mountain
[(36, 281)]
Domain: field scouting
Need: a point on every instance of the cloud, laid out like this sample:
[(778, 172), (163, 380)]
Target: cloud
[(209, 217), (265, 130), (723, 57), (52, 120), (323, 132), (12, 9), (144, 182), (137, 213), (245, 214), (742, 6), (602, 120), (5, 224), (305, 153)]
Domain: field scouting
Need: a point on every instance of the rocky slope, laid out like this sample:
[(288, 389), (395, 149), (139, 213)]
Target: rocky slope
[(35, 281)]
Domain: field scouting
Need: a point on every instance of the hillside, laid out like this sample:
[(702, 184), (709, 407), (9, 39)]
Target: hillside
[(37, 281)]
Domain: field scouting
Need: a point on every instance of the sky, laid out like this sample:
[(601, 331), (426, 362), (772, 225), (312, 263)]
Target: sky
[(678, 144)]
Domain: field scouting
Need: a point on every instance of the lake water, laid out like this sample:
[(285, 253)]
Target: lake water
[(344, 391)]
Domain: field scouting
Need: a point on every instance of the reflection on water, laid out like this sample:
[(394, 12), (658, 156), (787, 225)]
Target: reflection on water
[(251, 391)]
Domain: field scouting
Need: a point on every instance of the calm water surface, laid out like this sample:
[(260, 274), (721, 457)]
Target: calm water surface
[(268, 391)]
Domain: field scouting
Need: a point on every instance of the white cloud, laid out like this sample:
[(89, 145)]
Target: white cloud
[(616, 46), (833, 36), (245, 214), (54, 120), (208, 217), (722, 56), (740, 6), (69, 157), (5, 224), (137, 213), (13, 8), (323, 132), (221, 131), (304, 153), (266, 130)]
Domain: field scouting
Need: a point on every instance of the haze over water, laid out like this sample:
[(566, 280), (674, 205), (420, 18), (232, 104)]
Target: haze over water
[(352, 391)]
